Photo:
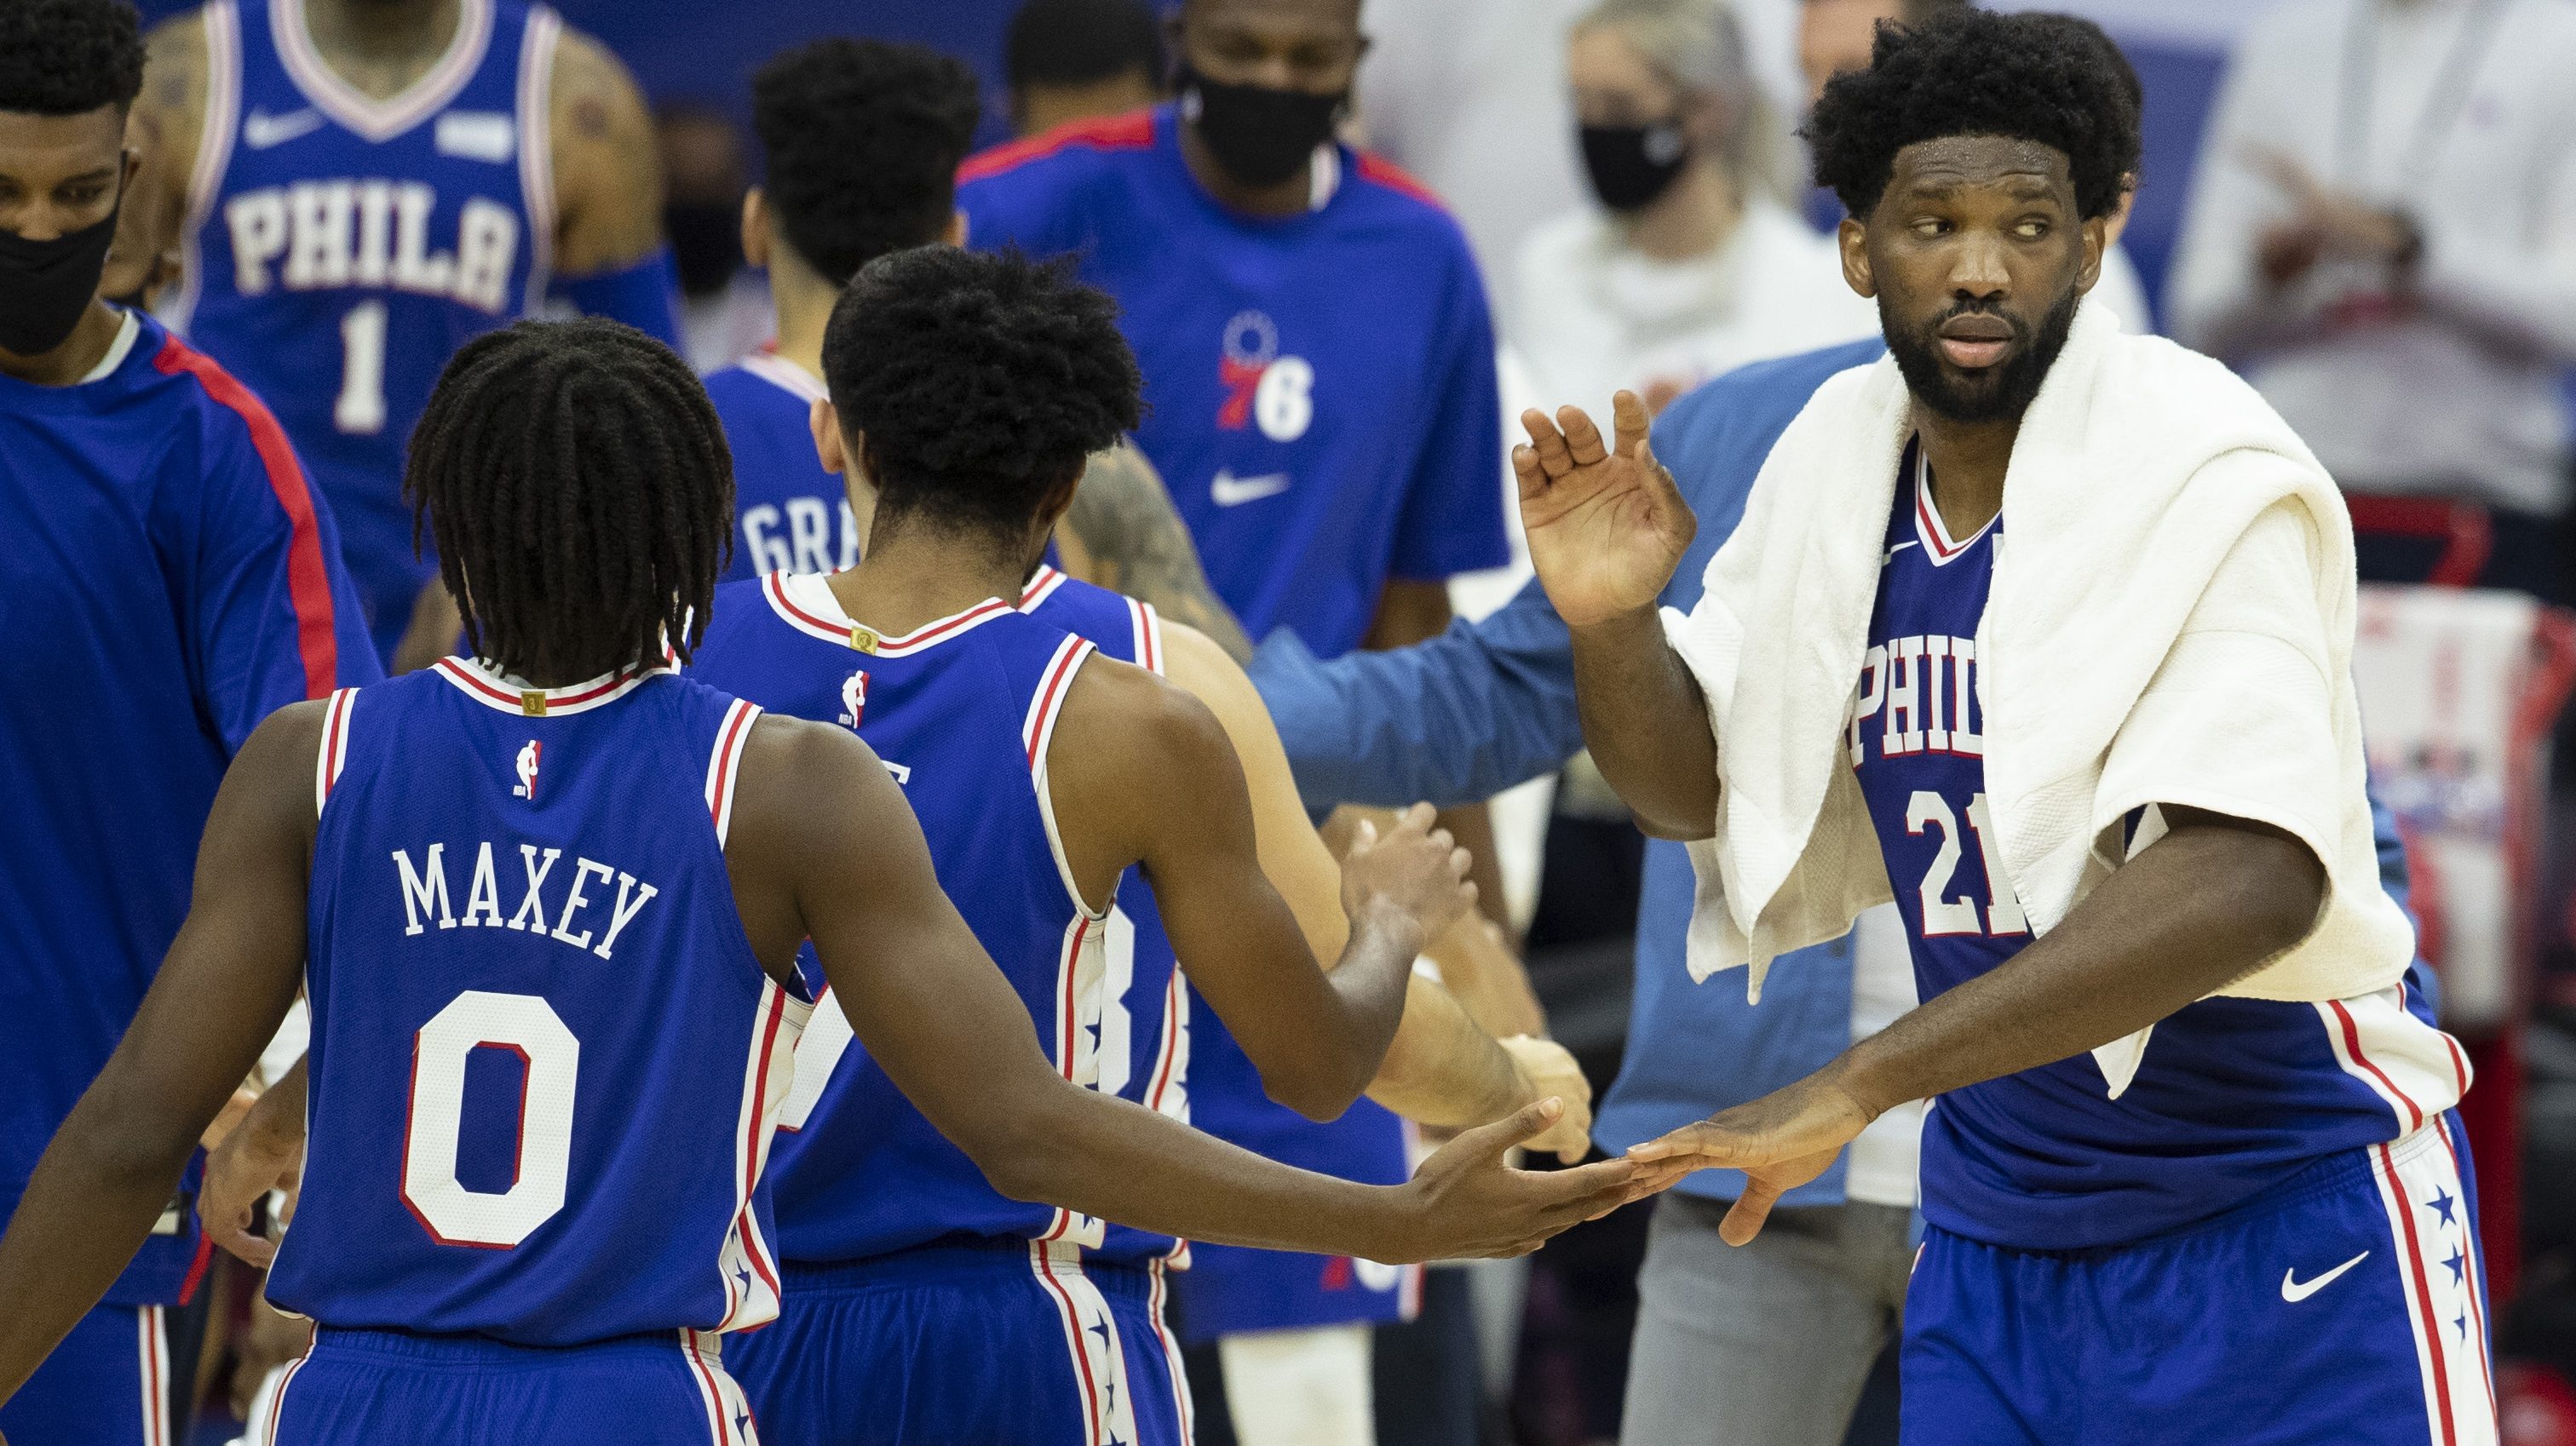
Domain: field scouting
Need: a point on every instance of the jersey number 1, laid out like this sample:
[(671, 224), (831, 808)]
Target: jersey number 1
[(525, 1026), (361, 408)]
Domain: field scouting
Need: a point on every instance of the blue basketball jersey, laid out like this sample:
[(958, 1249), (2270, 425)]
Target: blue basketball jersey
[(1320, 388), (961, 710), (542, 1104), (2231, 1095), (793, 516), (340, 249)]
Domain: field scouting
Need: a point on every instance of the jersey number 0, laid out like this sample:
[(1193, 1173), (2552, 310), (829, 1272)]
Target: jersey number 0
[(526, 1026)]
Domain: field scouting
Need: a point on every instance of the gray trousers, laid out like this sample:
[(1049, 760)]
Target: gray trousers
[(1768, 1344)]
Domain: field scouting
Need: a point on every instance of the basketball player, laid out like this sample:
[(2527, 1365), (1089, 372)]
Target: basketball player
[(2064, 665), (862, 141), (548, 903), (904, 1261), (167, 581), (349, 189)]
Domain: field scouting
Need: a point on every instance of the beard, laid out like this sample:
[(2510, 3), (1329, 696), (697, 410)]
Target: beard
[(1994, 394)]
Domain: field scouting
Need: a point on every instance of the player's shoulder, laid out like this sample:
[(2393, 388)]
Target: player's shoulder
[(196, 387), (1068, 155), (1382, 193), (740, 609)]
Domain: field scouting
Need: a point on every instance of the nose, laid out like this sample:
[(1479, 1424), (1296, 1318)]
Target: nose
[(1977, 268)]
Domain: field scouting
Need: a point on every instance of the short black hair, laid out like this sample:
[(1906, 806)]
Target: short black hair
[(864, 140), (579, 488), (1973, 73), (1917, 12), (1079, 42), (69, 57), (980, 380)]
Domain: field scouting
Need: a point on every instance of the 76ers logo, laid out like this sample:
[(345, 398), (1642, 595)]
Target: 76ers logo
[(527, 768), (1278, 392)]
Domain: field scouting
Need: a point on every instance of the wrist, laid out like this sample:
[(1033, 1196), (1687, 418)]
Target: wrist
[(1619, 623), (1383, 922), (1868, 1075)]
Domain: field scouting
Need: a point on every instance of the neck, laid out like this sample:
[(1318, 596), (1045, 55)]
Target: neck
[(1288, 198), (1692, 218), (1968, 461), (910, 576), (803, 302), (85, 348), (382, 30)]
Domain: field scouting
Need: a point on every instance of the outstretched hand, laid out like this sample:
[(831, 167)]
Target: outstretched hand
[(1606, 524), (265, 1153), (1414, 868), (1466, 1203), (1780, 1141)]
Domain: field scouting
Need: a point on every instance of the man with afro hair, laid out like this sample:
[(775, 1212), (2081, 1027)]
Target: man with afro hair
[(2045, 632)]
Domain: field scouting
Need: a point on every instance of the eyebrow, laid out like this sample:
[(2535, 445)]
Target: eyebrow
[(2023, 185)]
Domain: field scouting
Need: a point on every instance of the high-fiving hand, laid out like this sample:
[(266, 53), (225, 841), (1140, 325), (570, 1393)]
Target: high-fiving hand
[(1780, 1141), (1606, 524)]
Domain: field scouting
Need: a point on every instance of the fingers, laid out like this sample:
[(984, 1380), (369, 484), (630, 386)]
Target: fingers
[(1630, 420), (1752, 1208), (1582, 438), (1490, 1142), (1554, 458), (256, 1250), (1703, 1144), (1533, 477)]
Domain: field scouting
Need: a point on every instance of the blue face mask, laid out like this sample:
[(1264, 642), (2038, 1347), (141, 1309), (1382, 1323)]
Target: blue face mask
[(46, 285)]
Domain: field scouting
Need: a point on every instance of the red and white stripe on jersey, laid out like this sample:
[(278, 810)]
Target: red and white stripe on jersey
[(724, 765), (1928, 527), (1149, 636), (729, 1420), (333, 755), (373, 119), (2428, 1222), (1091, 1339), (152, 1347), (1037, 731), (2414, 1068), (804, 602), (785, 375), (493, 688), (746, 1265), (1185, 1409), (277, 1393), (1041, 586), (536, 147)]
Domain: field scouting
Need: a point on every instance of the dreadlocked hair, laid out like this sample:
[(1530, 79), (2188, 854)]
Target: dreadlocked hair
[(576, 482)]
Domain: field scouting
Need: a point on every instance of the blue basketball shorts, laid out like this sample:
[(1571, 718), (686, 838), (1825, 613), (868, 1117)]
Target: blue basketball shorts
[(2346, 1305), (1232, 1289), (107, 1384), (985, 1343), (390, 1388)]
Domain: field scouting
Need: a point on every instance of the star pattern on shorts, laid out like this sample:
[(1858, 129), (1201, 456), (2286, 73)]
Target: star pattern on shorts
[(2441, 1204), (2459, 1264)]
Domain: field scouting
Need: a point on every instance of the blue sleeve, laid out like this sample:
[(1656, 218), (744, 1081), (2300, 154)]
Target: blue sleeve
[(1454, 720), (1453, 515), (644, 295), (272, 617), (1029, 206)]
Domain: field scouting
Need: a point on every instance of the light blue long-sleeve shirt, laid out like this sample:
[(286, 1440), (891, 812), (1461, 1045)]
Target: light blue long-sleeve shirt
[(1489, 704)]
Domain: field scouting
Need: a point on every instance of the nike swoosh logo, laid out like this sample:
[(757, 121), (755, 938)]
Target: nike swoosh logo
[(2295, 1290), (260, 130), (1229, 490)]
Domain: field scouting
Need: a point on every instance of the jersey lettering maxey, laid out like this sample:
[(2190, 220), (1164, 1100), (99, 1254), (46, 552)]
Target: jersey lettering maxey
[(2232, 1095), (962, 711), (546, 1065), (342, 248), (789, 514)]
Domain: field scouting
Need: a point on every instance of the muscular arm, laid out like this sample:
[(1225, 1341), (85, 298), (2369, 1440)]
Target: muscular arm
[(221, 990), (815, 811), (608, 177), (1441, 1069), (163, 129), (1122, 534), (1646, 722)]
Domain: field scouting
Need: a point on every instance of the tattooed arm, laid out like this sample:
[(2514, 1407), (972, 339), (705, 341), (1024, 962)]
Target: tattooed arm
[(1123, 534)]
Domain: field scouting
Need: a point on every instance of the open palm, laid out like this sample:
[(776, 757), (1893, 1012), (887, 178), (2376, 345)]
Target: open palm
[(1606, 525)]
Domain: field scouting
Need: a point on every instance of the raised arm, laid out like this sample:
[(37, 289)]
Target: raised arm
[(609, 258), (1606, 529), (221, 990), (816, 811), (1122, 534), (1143, 771), (1442, 1069)]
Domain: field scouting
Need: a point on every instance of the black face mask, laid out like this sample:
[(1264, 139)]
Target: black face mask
[(1261, 136), (46, 285), (1632, 165), (706, 243)]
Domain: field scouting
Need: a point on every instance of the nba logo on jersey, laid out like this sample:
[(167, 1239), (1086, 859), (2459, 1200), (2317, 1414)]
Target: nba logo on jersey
[(1261, 386), (527, 765), (854, 699)]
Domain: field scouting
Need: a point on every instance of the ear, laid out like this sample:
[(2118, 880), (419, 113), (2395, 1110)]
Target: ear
[(830, 448), (1853, 240), (955, 235), (1059, 501), (2097, 240), (755, 227)]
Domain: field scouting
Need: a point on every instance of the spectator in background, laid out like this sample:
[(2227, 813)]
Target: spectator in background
[(1689, 265), (1836, 35), (2383, 239), (724, 306), (1070, 60)]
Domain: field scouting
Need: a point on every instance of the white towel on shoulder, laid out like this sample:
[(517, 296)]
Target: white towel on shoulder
[(2171, 622)]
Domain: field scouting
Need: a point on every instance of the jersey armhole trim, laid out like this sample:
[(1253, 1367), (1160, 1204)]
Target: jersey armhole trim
[(536, 147), (1149, 635), (724, 765), (1037, 734), (222, 22), (332, 757)]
